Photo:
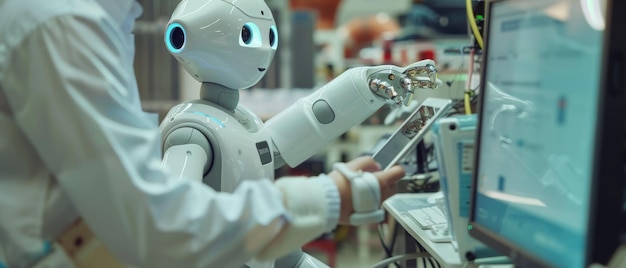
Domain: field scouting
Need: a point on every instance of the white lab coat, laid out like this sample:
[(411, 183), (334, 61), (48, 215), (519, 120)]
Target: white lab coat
[(75, 143)]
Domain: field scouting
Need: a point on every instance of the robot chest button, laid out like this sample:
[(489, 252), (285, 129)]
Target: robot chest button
[(323, 112)]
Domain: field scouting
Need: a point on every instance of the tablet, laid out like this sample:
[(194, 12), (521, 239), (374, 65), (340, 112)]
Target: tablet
[(405, 138)]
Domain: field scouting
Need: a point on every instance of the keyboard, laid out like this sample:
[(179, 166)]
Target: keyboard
[(428, 216), (439, 233)]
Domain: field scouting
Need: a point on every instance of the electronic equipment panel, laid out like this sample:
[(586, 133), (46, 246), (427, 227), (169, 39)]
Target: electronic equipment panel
[(548, 179)]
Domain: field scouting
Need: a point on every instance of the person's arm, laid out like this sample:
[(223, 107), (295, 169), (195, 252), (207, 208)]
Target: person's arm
[(69, 88)]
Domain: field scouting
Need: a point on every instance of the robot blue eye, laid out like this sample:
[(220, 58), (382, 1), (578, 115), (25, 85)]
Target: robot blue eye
[(273, 37), (175, 37), (250, 35)]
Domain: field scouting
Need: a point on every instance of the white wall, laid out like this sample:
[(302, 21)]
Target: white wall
[(350, 9)]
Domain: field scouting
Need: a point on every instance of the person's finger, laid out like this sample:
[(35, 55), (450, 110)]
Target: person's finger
[(364, 163), (390, 176)]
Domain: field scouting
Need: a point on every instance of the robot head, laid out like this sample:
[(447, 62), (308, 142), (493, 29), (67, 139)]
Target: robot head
[(227, 42)]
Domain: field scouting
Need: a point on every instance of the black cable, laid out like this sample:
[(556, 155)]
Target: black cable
[(430, 261), (388, 248), (396, 226), (458, 107), (422, 249), (462, 52), (421, 157), (430, 153), (382, 241), (427, 158), (435, 263), (393, 242), (419, 185)]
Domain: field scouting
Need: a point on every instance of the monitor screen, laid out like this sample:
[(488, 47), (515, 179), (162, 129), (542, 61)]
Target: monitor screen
[(536, 150)]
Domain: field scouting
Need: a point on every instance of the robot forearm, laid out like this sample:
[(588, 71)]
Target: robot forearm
[(312, 122)]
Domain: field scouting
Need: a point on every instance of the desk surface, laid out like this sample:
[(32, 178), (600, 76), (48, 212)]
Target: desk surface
[(398, 207)]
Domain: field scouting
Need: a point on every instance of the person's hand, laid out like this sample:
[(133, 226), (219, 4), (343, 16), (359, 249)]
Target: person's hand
[(387, 180)]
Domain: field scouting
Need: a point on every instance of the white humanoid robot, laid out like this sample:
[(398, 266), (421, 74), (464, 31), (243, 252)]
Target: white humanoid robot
[(228, 45)]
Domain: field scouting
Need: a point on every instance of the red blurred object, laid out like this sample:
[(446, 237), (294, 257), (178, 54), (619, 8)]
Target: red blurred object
[(388, 52), (404, 57), (426, 54), (363, 32), (326, 245)]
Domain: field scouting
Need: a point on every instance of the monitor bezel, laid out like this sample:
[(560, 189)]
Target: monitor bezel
[(608, 166)]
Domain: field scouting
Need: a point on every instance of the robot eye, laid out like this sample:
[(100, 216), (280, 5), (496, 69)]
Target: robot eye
[(250, 35), (273, 37), (175, 37), (246, 34)]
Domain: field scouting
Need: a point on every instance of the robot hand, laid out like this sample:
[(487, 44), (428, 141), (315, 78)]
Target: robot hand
[(398, 84)]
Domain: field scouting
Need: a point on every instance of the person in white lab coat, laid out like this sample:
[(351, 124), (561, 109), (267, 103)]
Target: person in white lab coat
[(74, 143)]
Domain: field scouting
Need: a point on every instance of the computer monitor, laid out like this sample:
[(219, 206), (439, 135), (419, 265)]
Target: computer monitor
[(548, 179)]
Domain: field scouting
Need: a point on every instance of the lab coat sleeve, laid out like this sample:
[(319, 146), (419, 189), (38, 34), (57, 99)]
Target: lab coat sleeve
[(70, 91)]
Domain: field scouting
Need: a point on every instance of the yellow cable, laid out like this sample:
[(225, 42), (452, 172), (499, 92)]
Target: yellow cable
[(468, 107), (479, 40), (472, 22)]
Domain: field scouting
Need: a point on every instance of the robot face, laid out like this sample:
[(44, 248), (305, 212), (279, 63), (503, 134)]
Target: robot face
[(227, 42)]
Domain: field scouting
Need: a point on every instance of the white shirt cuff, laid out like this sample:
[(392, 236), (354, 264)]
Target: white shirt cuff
[(333, 201)]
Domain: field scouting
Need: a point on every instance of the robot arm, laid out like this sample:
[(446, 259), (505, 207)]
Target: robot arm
[(188, 154), (312, 122)]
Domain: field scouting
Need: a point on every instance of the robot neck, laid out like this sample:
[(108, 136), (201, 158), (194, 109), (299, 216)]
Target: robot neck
[(220, 95)]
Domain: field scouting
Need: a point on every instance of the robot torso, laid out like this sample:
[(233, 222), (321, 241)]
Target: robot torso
[(241, 150)]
